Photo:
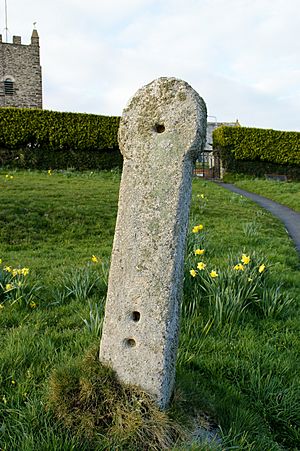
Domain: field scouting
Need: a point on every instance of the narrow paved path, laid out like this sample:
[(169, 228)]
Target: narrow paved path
[(290, 218)]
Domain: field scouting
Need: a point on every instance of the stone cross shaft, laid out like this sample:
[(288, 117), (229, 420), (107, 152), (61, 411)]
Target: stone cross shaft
[(161, 134)]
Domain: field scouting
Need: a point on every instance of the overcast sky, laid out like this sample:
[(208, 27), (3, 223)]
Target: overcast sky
[(241, 56)]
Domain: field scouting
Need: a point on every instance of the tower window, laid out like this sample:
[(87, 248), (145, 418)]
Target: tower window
[(8, 87)]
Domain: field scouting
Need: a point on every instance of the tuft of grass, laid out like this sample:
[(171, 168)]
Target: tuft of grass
[(251, 229), (273, 301), (94, 322), (82, 283), (94, 405)]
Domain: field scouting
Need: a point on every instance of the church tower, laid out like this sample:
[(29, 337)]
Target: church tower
[(20, 73)]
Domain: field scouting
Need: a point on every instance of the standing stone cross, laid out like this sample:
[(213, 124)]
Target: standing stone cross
[(161, 134)]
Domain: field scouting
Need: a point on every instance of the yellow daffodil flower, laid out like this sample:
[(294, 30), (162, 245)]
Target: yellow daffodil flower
[(9, 287), (32, 304), (239, 267), (197, 228), (94, 259), (245, 259), (213, 274), (49, 171), (199, 251), (261, 268), (7, 268), (201, 266), (24, 271), (193, 273)]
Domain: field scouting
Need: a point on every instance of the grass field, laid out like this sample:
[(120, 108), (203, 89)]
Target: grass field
[(286, 193), (238, 358)]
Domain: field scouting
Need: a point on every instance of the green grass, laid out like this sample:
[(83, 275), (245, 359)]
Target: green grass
[(58, 220), (240, 370), (285, 193)]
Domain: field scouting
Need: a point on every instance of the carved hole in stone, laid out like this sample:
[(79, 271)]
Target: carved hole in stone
[(130, 342), (159, 128), (136, 316)]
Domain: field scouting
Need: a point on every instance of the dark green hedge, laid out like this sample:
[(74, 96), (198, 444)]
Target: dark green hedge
[(255, 150), (49, 139)]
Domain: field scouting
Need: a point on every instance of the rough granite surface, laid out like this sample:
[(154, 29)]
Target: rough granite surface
[(162, 131)]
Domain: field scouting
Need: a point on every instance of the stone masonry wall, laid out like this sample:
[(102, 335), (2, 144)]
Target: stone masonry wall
[(21, 64)]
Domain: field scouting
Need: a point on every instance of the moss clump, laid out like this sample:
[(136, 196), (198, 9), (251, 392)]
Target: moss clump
[(91, 402)]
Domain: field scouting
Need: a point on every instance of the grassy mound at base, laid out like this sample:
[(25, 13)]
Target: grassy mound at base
[(94, 405)]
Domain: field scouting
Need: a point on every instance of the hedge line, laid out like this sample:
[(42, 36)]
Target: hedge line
[(42, 139), (259, 144), (61, 159), (261, 168), (244, 149)]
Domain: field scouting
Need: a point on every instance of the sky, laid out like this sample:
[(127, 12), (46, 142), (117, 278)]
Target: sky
[(241, 56)]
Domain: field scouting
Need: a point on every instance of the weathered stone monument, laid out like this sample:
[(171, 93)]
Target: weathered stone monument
[(161, 133)]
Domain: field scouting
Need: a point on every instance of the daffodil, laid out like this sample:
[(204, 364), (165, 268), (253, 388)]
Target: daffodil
[(199, 251), (193, 273), (94, 259), (7, 268), (13, 382), (261, 268), (25, 271), (197, 228), (213, 274), (9, 287), (239, 267), (49, 171), (201, 266), (32, 304), (245, 259)]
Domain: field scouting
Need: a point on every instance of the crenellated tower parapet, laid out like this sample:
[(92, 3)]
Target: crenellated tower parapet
[(20, 73)]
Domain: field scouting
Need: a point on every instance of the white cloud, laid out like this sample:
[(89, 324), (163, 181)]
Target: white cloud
[(242, 56)]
